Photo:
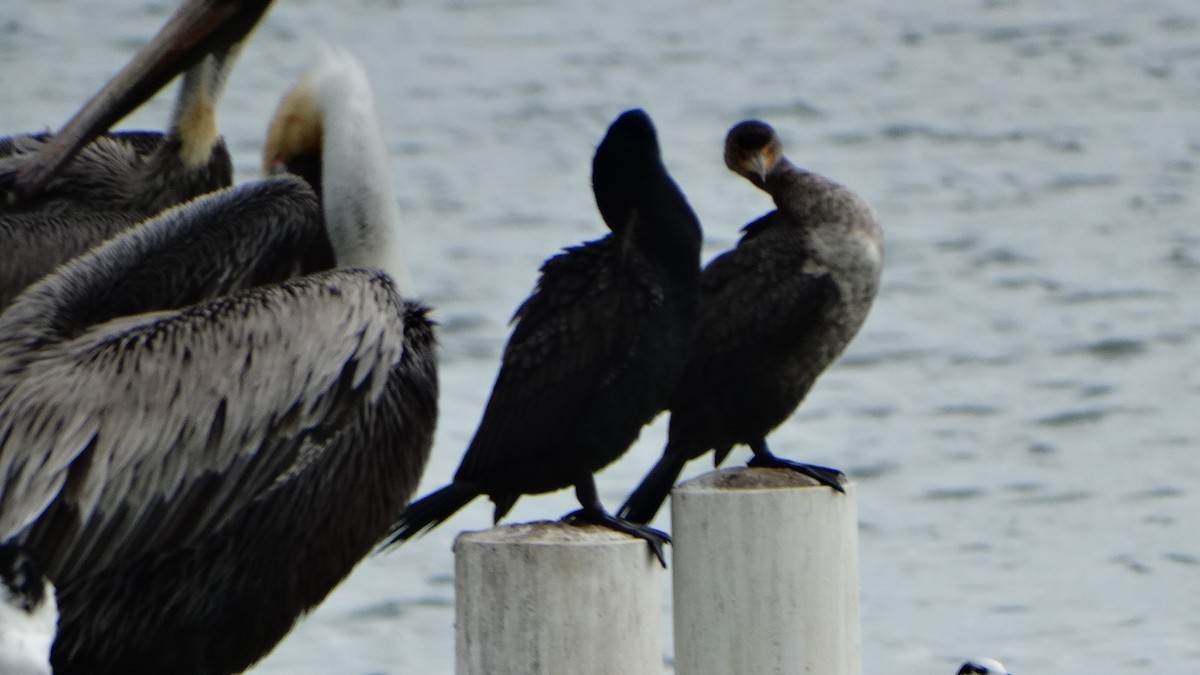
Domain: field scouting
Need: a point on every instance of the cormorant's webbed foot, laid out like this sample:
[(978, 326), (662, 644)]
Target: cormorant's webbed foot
[(824, 475), (654, 538), (593, 512)]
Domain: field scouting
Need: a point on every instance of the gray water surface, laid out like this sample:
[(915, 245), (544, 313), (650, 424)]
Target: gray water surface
[(1020, 410)]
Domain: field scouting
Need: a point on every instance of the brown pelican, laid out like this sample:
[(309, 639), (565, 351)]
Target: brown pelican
[(67, 192), (28, 614), (595, 349), (774, 313), (198, 444)]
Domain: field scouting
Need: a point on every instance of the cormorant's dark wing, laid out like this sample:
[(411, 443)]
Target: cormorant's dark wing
[(761, 225), (758, 296), (567, 334)]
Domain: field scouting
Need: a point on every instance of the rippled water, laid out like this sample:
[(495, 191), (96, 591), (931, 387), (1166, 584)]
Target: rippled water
[(1020, 409)]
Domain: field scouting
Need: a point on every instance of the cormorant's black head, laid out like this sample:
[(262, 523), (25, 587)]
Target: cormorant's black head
[(635, 128), (24, 586), (752, 148), (623, 162)]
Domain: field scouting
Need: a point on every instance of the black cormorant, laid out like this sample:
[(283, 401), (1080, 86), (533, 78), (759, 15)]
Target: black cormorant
[(595, 350)]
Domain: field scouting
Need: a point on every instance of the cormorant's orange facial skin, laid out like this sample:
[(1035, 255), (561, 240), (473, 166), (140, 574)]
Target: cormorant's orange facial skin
[(752, 150)]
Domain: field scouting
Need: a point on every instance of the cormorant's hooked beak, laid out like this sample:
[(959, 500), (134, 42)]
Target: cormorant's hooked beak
[(760, 165), (198, 28)]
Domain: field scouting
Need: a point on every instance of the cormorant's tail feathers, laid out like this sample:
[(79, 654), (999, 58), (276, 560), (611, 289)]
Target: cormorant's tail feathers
[(648, 498), (430, 511)]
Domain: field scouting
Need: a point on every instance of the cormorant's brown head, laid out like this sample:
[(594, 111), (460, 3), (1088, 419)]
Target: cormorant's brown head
[(752, 149)]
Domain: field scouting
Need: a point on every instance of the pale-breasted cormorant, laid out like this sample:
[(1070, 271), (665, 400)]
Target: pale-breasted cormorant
[(774, 313)]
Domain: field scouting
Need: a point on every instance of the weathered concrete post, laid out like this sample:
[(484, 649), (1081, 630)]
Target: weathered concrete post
[(551, 598), (765, 571)]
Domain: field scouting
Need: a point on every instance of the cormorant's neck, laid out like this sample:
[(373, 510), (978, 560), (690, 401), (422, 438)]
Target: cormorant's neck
[(785, 179), (832, 215), (807, 197), (665, 226)]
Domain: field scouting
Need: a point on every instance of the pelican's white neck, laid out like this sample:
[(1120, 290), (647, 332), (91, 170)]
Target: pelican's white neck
[(332, 110), (361, 211)]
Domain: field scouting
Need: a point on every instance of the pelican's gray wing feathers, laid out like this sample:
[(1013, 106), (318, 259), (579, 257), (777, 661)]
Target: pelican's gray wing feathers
[(231, 389), (142, 383)]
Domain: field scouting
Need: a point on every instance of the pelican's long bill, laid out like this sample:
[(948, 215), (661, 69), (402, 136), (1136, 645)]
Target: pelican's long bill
[(197, 29)]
